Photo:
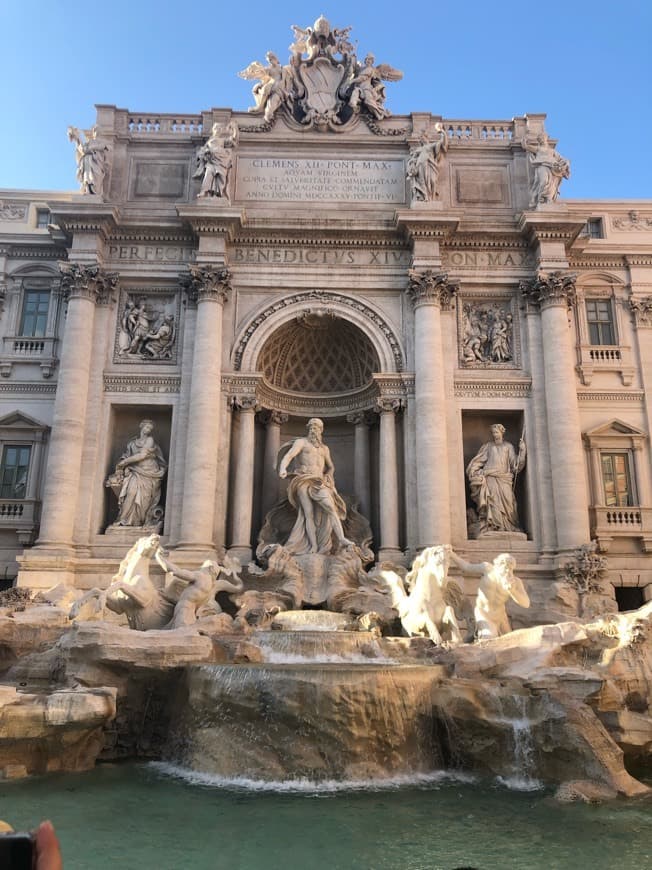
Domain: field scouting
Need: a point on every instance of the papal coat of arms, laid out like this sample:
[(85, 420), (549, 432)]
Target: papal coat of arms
[(323, 85)]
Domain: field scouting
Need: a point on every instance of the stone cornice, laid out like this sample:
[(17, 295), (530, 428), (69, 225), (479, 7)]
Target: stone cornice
[(427, 287), (550, 289), (202, 283), (597, 262), (474, 387), (341, 238), (25, 252), (551, 224), (88, 281), (485, 242), (86, 217), (152, 234), (434, 225), (638, 259), (141, 383), (210, 219)]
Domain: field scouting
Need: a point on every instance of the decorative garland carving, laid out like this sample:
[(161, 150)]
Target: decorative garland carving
[(548, 289), (206, 282), (88, 282), (323, 297), (427, 287)]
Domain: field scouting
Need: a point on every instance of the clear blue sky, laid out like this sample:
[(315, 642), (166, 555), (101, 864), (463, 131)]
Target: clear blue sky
[(586, 63)]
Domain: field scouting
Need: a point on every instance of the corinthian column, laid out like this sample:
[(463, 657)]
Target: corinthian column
[(243, 488), (84, 286), (275, 420), (389, 538), (553, 293), (208, 287), (361, 481), (430, 292)]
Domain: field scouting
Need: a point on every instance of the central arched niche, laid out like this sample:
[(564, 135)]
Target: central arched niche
[(318, 365), (318, 353)]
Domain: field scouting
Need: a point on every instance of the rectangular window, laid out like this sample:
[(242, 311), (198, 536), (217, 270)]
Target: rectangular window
[(599, 315), (13, 472), (35, 312), (594, 228), (616, 479), (42, 218)]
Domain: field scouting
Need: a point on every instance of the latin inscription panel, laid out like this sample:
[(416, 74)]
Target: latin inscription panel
[(300, 179)]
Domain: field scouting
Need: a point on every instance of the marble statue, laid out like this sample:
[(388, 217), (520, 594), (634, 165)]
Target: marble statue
[(367, 88), (324, 85), (273, 87), (498, 584), (91, 159), (320, 509), (186, 597), (491, 474), (549, 168), (423, 164), (214, 160), (428, 609), (198, 598), (137, 481), (131, 591)]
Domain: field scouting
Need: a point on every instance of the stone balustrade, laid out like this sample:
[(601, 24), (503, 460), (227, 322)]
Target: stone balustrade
[(189, 125), (621, 522)]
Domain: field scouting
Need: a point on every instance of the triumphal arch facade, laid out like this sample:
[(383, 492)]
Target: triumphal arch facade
[(478, 348)]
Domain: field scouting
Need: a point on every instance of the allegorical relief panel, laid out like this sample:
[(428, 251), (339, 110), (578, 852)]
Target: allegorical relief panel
[(147, 326), (487, 333)]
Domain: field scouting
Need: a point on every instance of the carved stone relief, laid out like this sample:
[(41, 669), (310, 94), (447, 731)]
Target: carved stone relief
[(12, 210), (642, 310), (147, 327), (634, 221), (487, 333)]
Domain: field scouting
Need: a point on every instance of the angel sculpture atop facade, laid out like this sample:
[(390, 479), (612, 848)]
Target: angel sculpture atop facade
[(273, 87), (214, 160), (91, 159), (423, 164), (367, 88)]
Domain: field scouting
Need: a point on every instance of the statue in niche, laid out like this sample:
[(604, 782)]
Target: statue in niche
[(320, 509), (492, 474), (423, 164), (91, 159), (142, 335), (498, 584), (549, 168), (487, 334), (367, 88), (429, 608), (214, 160), (137, 480), (188, 596), (274, 86)]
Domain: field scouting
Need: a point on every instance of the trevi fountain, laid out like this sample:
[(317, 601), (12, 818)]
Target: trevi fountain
[(311, 622)]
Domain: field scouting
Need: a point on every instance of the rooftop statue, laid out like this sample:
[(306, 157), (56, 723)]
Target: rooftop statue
[(91, 159), (214, 160), (549, 168), (323, 85), (423, 164)]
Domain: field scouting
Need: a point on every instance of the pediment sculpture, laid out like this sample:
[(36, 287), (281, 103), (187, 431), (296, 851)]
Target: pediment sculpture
[(324, 85)]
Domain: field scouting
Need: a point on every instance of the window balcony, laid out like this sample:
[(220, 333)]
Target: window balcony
[(608, 523), (605, 358), (20, 515), (32, 349)]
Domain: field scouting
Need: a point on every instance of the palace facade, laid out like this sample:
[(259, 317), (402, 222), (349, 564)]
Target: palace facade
[(408, 279)]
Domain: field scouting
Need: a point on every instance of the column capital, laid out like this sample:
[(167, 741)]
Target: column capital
[(356, 418), (427, 287), (278, 418), (87, 281), (389, 405), (642, 310), (203, 282), (550, 289), (245, 403)]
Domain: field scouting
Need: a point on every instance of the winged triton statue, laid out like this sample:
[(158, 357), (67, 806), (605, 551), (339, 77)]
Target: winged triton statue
[(323, 85)]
